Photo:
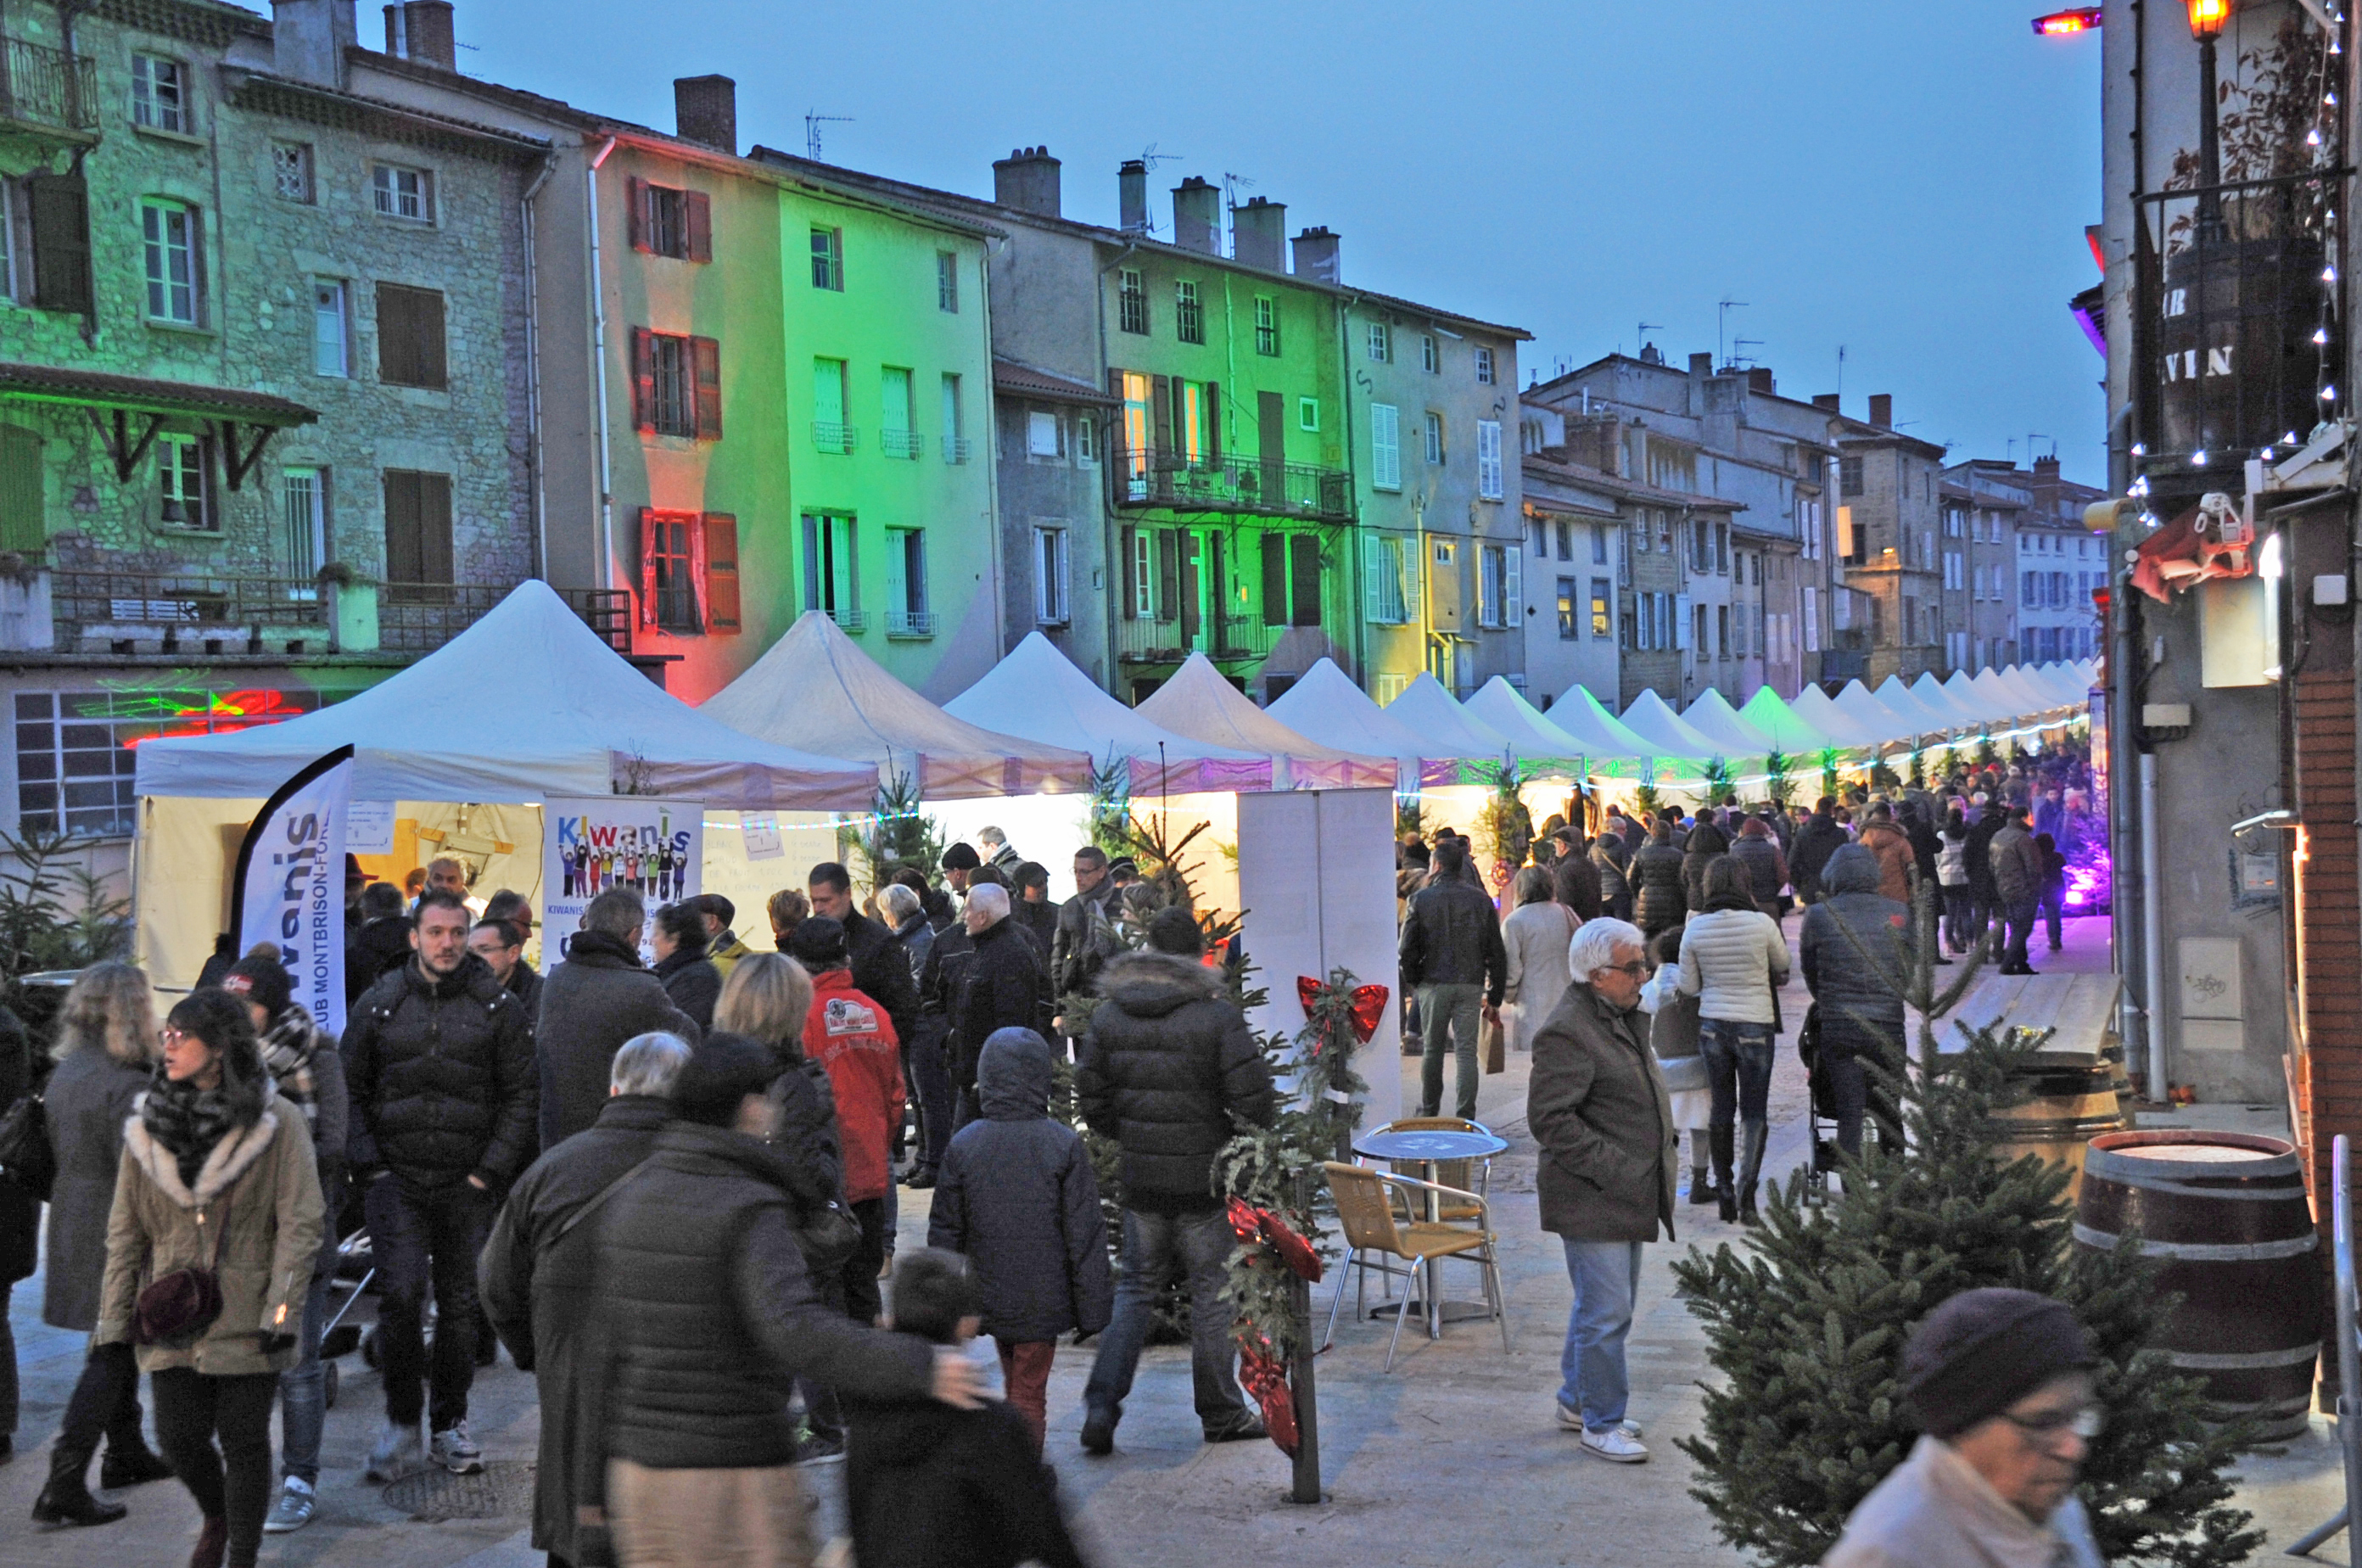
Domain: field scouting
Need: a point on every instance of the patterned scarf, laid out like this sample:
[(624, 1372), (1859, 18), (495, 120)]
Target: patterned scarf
[(189, 1121), (287, 1051)]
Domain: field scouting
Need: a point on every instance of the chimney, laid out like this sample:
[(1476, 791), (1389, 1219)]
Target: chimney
[(2046, 468), (1259, 234), (1131, 194), (1027, 180), (420, 32), (1197, 215), (705, 111), (1882, 410), (1826, 402), (1758, 380), (1701, 364), (308, 39), (1316, 256)]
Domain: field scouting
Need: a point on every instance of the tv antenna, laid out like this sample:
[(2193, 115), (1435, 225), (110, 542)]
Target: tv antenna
[(1231, 185), (813, 122), (1722, 317), (1150, 157), (1737, 344), (1841, 373), (2031, 438), (1641, 338)]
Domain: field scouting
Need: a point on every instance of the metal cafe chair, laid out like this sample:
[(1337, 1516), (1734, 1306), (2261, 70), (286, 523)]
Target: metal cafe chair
[(1366, 1201)]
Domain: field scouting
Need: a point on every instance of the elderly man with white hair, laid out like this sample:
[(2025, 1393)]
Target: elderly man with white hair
[(1003, 985), (1598, 1108)]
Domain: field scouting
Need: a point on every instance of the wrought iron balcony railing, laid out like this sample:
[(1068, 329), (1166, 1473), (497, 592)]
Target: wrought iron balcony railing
[(907, 444), (1159, 475), (43, 86), (910, 623), (835, 437), (191, 607), (955, 449), (1218, 637)]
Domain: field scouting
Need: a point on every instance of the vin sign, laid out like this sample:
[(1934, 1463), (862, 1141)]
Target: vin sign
[(289, 889)]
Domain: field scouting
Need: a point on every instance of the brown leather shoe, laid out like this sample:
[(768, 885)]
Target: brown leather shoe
[(212, 1543)]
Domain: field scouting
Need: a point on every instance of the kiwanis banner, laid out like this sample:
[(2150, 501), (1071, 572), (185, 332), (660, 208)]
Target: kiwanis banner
[(652, 847), (289, 888)]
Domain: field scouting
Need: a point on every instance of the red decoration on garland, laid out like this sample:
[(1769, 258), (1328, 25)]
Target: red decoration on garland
[(1265, 1377), (1265, 1374), (1369, 1004)]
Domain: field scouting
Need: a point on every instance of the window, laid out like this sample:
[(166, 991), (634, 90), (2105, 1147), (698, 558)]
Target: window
[(417, 533), (1434, 437), (1722, 631), (831, 583), (1188, 319), (291, 172), (183, 472), (410, 337), (302, 528), (159, 94), (670, 222), (1722, 549), (1492, 586), (1429, 359), (1385, 446), (1951, 570), (1389, 579), (1266, 323), (1488, 459), (1044, 438), (60, 214), (404, 194), (669, 572), (895, 438), (677, 385), (1603, 613), (1086, 441), (1566, 610), (1050, 577), (1308, 414), (1812, 619), (1381, 341), (1131, 301), (168, 232), (1484, 366), (828, 259), (331, 354), (1808, 517), (907, 615), (955, 422), (1291, 580), (1565, 532), (9, 278), (1849, 477), (830, 432), (76, 754), (1599, 544), (948, 282)]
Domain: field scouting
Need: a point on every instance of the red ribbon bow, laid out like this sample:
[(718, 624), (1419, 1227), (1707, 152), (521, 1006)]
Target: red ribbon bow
[(1369, 1004)]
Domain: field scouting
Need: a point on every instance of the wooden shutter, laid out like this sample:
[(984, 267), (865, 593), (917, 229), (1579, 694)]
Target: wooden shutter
[(1275, 579), (644, 379), (60, 242), (400, 526), (410, 350), (417, 527), (1130, 540), (1168, 570), (697, 209), (635, 206), (1304, 584), (707, 353), (1213, 422), (1374, 571), (22, 527), (721, 572), (1165, 411), (649, 542), (435, 528)]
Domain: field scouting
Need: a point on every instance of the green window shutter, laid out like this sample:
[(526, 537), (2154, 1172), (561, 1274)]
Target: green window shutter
[(22, 527), (1168, 573), (1275, 579), (1373, 603), (1304, 585)]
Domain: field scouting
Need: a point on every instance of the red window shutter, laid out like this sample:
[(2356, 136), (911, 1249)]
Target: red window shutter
[(707, 352), (635, 205), (699, 207), (649, 525), (692, 527), (644, 379), (721, 576)]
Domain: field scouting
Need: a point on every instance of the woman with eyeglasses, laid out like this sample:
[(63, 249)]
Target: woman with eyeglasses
[(217, 1177)]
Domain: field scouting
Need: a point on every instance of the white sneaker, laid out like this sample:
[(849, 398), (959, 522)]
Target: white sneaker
[(1571, 1420), (1631, 1426), (294, 1509), (456, 1451), (1616, 1445), (396, 1454)]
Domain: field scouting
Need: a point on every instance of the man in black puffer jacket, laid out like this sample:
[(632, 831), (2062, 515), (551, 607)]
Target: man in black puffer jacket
[(708, 1316), (1002, 984), (599, 997), (438, 1062), (1855, 951), (1167, 1063), (1815, 842), (1659, 902)]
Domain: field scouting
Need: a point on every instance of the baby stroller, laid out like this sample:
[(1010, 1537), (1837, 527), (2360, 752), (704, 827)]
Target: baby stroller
[(356, 1267), (1823, 1113)]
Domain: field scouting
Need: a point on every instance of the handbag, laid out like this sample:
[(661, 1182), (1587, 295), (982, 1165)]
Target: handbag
[(827, 1237), (1494, 1041), (176, 1307), (27, 1156)]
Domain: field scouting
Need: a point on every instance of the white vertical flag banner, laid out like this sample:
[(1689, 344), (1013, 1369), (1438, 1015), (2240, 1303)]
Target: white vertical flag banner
[(652, 847), (289, 888)]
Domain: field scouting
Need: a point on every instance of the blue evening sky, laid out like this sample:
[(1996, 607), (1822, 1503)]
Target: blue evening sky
[(1910, 181)]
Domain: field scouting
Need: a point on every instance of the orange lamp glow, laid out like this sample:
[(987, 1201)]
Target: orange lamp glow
[(2207, 16), (2060, 24)]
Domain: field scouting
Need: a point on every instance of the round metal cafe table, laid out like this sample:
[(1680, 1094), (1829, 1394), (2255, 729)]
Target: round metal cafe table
[(1429, 1148)]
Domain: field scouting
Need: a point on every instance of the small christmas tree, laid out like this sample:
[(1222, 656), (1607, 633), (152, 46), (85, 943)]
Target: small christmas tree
[(898, 834), (1777, 785)]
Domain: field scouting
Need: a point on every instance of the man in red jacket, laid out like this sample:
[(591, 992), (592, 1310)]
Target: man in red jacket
[(848, 1033)]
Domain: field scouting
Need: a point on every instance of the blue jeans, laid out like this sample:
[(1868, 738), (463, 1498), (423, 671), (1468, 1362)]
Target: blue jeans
[(1607, 1277), (304, 1391), (1199, 1243)]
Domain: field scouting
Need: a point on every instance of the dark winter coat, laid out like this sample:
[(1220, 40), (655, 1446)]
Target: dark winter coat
[(1575, 882), (1767, 871), (916, 938), (999, 985), (929, 1486), (707, 1313), (807, 1135), (1659, 900), (1815, 842), (440, 1073), (1041, 919), (1453, 937), (1608, 860), (524, 983), (1854, 949), (1016, 1195), (591, 1004), (1925, 847), (1167, 1062), (1075, 954), (881, 971), (1708, 844), (88, 1100), (693, 984), (382, 944), (21, 1211), (1598, 1105), (2018, 869), (539, 1290), (1978, 853)]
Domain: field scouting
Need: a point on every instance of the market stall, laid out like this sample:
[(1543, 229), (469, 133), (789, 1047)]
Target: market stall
[(1197, 701), (1324, 705)]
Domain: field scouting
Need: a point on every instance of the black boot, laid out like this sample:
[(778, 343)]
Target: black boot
[(1756, 1133), (66, 1500), (1719, 1139), (1701, 1185), (128, 1466)]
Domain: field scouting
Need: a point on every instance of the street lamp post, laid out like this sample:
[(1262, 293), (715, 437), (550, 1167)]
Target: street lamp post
[(2206, 20)]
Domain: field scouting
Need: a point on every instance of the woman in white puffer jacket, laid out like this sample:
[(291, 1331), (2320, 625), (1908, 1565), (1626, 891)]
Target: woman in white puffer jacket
[(1732, 955)]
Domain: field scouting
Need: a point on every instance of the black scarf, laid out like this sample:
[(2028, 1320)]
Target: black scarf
[(190, 1121)]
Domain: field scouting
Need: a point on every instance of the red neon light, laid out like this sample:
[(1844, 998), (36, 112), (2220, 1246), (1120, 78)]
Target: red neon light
[(2062, 24)]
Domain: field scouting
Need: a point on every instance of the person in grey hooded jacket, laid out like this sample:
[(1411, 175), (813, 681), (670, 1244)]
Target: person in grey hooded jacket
[(1855, 951), (1017, 1197)]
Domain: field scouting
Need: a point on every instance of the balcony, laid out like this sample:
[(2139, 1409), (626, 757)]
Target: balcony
[(2233, 322), (906, 443), (47, 89), (955, 449), (1219, 638), (1159, 477), (909, 624), (129, 612), (831, 437)]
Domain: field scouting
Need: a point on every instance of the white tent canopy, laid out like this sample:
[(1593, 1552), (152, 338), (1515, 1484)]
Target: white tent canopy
[(1964, 696), (1445, 729), (1649, 716), (1858, 702), (1899, 701), (814, 688), (1823, 713), (1500, 707), (1197, 701), (1584, 716), (526, 703), (1325, 706), (1715, 719), (1778, 721), (1036, 693), (1931, 695)]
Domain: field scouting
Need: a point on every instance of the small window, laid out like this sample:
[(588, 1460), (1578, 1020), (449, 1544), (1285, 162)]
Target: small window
[(668, 572), (670, 411), (670, 222), (1434, 437), (830, 432), (404, 194), (1086, 440), (168, 232), (1566, 535), (1488, 459), (831, 584), (1430, 360), (1050, 566), (1266, 324), (1599, 544), (828, 260), (907, 615), (303, 529), (1385, 446), (159, 94), (181, 470), (1131, 301), (1381, 341), (331, 335), (59, 211), (1566, 609), (897, 414), (1849, 477), (291, 172), (1484, 366), (1043, 435), (948, 282), (1308, 414), (1603, 614), (1188, 317), (8, 279), (954, 423)]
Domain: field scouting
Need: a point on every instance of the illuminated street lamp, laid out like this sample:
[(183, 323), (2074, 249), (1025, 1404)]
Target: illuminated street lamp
[(2065, 24), (2206, 20)]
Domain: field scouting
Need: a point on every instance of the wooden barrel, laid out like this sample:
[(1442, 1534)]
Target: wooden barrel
[(2071, 1100), (2226, 1212)]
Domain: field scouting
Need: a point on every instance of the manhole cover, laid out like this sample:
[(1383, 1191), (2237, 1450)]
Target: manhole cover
[(503, 1489)]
